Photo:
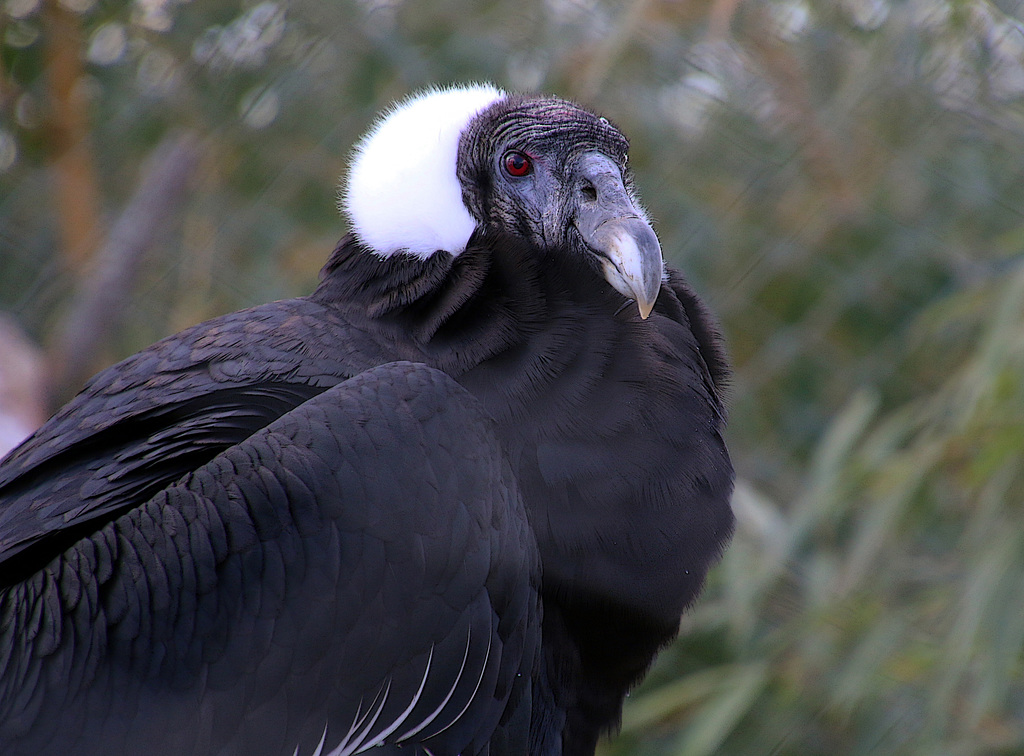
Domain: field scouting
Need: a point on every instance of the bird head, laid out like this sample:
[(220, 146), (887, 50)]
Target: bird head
[(441, 165)]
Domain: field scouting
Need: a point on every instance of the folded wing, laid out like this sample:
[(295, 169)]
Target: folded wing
[(359, 572)]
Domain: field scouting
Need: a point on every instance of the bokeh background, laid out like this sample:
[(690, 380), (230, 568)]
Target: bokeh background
[(843, 180)]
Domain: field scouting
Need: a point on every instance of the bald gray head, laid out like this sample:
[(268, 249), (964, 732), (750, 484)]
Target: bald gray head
[(557, 174), (537, 167)]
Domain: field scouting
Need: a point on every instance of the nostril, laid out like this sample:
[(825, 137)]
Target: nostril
[(589, 191)]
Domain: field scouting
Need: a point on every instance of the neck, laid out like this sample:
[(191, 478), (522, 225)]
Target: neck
[(497, 298)]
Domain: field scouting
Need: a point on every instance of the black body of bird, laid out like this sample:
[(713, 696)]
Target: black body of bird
[(453, 502)]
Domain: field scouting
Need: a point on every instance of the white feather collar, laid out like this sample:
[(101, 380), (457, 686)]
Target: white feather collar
[(402, 193)]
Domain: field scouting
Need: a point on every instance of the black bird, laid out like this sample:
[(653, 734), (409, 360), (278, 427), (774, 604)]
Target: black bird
[(453, 502)]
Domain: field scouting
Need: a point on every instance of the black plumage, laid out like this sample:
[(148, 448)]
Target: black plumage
[(454, 502)]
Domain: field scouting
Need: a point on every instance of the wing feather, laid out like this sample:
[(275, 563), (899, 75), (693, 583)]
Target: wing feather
[(326, 560)]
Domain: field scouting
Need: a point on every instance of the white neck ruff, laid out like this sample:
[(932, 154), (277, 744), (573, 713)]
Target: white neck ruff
[(402, 193)]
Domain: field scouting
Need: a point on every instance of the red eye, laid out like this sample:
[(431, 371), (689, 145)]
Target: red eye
[(517, 164)]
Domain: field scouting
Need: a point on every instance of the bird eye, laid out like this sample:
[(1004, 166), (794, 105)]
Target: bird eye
[(517, 164)]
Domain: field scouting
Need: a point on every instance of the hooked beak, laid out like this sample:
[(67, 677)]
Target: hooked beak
[(614, 229)]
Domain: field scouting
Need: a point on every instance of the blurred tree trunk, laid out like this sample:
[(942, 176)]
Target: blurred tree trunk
[(97, 310), (76, 192)]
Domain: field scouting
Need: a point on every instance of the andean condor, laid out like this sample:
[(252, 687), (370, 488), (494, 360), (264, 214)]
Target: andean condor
[(452, 502)]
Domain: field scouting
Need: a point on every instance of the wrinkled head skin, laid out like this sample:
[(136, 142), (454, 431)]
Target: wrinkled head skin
[(540, 168), (576, 193)]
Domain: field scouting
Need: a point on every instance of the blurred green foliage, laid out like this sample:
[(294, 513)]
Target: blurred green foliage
[(843, 181)]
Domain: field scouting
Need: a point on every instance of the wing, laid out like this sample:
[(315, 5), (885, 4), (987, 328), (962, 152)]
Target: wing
[(359, 572), (690, 310), (142, 424)]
